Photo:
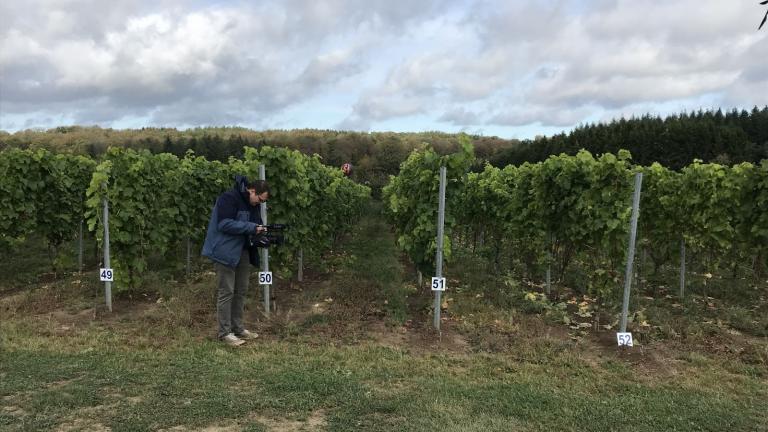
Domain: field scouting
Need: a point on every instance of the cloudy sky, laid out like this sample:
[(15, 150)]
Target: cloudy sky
[(511, 68)]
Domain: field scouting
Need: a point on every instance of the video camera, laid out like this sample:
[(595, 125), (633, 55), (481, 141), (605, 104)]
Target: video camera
[(273, 236)]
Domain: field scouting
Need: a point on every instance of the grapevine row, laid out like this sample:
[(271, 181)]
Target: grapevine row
[(42, 192), (159, 201), (569, 208)]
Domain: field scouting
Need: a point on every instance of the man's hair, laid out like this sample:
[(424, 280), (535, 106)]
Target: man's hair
[(261, 186)]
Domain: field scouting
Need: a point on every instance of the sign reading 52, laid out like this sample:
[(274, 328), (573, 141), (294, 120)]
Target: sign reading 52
[(624, 339)]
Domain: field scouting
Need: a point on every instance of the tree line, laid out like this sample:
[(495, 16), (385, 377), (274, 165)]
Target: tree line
[(674, 142), (375, 156)]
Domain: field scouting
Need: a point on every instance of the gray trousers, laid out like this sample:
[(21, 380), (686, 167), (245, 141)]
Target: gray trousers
[(232, 285)]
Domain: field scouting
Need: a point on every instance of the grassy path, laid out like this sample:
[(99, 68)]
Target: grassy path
[(107, 375)]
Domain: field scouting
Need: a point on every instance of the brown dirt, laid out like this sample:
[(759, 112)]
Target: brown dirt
[(14, 411), (317, 313), (651, 359), (316, 421), (212, 428), (82, 425)]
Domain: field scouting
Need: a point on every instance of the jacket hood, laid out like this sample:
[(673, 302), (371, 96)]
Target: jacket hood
[(241, 183)]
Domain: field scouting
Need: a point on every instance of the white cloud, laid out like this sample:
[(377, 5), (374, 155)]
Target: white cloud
[(460, 117), (461, 63), (541, 114)]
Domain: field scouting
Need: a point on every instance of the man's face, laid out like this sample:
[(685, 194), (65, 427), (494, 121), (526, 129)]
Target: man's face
[(255, 198)]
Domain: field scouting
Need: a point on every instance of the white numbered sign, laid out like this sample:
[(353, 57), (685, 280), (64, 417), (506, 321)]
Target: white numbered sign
[(265, 278), (624, 339), (106, 275), (438, 284)]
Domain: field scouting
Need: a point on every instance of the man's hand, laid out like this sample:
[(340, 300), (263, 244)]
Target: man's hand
[(260, 229)]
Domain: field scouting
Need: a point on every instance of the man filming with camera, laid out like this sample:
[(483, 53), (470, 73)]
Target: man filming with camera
[(235, 218)]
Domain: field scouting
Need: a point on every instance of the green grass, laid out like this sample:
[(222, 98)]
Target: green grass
[(152, 366), (360, 387)]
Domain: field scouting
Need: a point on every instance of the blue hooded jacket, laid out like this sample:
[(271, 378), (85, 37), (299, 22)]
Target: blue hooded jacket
[(233, 218)]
